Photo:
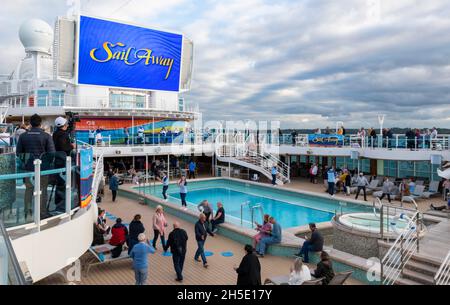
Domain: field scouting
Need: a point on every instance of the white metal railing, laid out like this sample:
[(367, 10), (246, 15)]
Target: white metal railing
[(442, 277), (98, 176), (237, 147), (398, 255), (3, 113)]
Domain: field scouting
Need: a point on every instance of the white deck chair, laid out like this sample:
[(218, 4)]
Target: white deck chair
[(102, 255), (432, 190), (420, 182), (417, 194), (373, 186)]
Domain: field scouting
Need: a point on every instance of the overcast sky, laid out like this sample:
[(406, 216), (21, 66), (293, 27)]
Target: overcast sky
[(306, 63)]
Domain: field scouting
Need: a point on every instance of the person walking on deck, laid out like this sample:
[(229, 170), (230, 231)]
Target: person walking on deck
[(249, 270), (139, 254), (177, 242), (274, 173), (159, 226), (201, 233), (361, 183), (182, 183), (114, 185), (331, 178)]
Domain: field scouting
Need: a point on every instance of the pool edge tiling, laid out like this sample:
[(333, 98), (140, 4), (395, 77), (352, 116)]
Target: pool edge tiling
[(291, 209)]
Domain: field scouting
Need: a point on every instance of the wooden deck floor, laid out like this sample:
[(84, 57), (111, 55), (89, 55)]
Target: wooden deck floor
[(220, 271)]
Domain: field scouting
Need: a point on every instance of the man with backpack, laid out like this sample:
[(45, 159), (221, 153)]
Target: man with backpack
[(32, 145), (177, 242)]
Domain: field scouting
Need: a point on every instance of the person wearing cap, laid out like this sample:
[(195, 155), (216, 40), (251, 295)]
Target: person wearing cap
[(361, 183), (31, 145), (63, 147), (61, 137)]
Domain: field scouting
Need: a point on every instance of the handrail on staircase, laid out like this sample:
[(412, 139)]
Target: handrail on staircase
[(404, 247), (442, 276)]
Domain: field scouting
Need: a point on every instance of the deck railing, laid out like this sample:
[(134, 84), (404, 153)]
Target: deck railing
[(404, 247), (442, 277), (10, 271)]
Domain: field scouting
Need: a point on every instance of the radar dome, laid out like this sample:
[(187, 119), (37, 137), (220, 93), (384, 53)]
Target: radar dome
[(36, 36)]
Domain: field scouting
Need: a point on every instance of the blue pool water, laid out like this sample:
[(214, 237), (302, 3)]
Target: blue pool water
[(290, 209)]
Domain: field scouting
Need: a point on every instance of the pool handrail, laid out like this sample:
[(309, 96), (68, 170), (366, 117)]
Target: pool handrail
[(398, 255)]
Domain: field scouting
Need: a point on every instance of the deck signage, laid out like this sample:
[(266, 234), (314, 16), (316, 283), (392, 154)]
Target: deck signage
[(86, 176), (325, 140), (125, 56)]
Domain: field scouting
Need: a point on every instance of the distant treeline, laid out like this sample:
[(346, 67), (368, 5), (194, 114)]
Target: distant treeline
[(395, 130)]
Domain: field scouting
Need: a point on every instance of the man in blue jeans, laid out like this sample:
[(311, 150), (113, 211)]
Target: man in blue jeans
[(331, 177), (139, 255), (201, 232), (314, 244), (274, 175), (274, 238)]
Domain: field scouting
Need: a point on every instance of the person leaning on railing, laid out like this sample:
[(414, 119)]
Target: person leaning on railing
[(34, 143)]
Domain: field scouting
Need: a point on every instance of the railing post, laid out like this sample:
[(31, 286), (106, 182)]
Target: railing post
[(417, 231), (69, 184), (396, 141), (415, 143), (37, 193), (381, 222)]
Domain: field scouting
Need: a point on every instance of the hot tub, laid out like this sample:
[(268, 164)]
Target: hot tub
[(358, 233)]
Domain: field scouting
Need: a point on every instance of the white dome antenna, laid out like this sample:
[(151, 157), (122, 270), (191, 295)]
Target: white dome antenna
[(36, 36)]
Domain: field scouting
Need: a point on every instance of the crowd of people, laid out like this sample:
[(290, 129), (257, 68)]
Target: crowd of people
[(134, 238), (33, 142)]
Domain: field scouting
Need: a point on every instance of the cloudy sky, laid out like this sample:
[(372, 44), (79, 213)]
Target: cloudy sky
[(306, 63)]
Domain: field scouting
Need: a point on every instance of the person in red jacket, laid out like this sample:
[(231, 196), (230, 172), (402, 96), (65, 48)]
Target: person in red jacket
[(119, 236)]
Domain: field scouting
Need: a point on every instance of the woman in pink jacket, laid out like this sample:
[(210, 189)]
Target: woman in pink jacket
[(263, 230), (159, 226)]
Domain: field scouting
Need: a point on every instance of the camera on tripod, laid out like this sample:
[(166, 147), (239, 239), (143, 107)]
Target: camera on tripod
[(72, 119)]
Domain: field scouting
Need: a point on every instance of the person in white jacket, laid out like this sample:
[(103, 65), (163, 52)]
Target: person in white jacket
[(300, 273)]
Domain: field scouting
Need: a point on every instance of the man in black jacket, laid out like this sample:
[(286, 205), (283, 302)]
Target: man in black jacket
[(177, 242), (314, 244), (249, 271), (32, 145), (201, 232), (63, 146)]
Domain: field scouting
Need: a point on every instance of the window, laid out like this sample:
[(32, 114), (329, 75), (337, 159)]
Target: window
[(125, 101)]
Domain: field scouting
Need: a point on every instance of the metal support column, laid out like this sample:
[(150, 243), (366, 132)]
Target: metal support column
[(69, 185), (37, 193)]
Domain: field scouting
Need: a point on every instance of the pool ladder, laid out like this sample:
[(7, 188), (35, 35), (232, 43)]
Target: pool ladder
[(252, 211)]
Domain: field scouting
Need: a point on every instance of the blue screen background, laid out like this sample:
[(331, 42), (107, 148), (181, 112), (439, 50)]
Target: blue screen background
[(115, 73)]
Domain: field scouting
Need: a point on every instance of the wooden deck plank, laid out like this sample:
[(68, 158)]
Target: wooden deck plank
[(161, 272)]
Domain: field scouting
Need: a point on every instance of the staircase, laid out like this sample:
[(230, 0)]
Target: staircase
[(3, 113), (233, 149), (419, 270)]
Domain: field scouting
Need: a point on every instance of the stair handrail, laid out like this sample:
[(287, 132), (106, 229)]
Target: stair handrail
[(98, 176), (442, 276), (268, 160), (398, 255)]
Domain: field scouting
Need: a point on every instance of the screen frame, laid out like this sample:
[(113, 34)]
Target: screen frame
[(77, 54)]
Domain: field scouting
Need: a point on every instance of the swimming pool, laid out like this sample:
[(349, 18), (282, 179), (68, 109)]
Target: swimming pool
[(290, 209)]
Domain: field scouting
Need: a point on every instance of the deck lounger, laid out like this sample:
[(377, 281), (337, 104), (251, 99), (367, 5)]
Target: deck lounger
[(277, 280), (418, 193), (340, 278), (432, 190), (284, 280), (395, 193), (419, 182), (101, 255), (373, 186)]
